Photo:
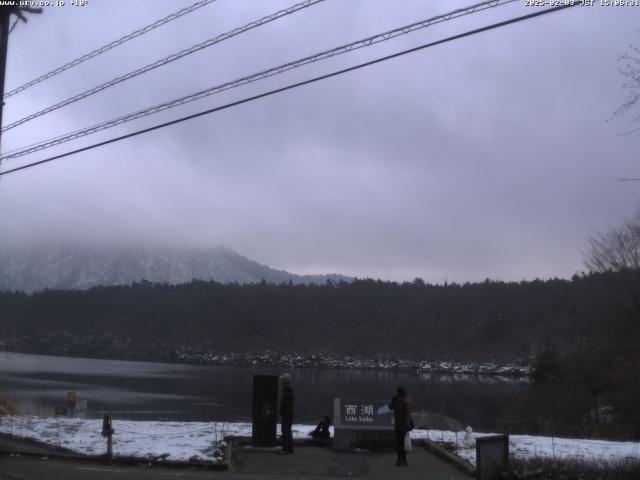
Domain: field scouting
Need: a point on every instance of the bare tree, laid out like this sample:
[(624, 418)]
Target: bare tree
[(616, 254), (629, 68), (616, 250)]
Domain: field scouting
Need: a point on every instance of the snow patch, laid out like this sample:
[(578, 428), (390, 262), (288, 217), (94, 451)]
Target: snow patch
[(203, 441)]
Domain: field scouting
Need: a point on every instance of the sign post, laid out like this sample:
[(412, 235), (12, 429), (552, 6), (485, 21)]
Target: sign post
[(81, 408), (71, 402)]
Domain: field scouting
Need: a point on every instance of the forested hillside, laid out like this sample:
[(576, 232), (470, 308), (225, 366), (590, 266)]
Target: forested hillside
[(416, 320)]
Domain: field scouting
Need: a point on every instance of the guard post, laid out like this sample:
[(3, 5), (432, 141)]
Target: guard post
[(265, 410), (492, 455)]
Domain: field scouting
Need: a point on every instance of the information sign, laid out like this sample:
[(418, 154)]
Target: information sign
[(364, 413)]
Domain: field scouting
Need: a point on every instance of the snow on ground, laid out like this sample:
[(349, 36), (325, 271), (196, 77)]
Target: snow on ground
[(527, 446), (182, 441), (148, 439)]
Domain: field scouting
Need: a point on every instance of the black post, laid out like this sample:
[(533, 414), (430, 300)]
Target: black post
[(108, 431)]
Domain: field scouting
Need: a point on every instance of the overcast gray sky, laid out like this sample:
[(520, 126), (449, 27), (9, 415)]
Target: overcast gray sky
[(487, 157)]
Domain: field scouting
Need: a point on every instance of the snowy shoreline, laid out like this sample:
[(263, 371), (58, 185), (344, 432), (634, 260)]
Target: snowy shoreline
[(202, 441), (502, 371), (323, 359)]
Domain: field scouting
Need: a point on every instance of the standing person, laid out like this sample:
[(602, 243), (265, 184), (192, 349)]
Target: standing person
[(286, 412), (402, 422)]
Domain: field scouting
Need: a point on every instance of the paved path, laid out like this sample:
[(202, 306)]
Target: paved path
[(308, 463), (30, 468), (14, 444), (316, 462)]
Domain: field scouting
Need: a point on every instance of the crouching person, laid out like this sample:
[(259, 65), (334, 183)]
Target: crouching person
[(322, 430)]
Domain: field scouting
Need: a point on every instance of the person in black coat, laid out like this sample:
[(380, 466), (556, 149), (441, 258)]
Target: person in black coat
[(286, 413), (402, 422)]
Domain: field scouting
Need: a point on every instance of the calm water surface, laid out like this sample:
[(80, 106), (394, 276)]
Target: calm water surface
[(152, 391)]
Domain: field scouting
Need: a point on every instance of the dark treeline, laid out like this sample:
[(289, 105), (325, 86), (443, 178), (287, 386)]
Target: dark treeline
[(476, 321)]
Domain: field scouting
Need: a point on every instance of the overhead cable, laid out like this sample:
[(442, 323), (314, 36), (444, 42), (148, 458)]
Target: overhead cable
[(166, 60), (109, 46), (366, 42), (293, 86)]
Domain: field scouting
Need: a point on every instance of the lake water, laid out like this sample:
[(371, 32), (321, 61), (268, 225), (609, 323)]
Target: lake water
[(145, 390)]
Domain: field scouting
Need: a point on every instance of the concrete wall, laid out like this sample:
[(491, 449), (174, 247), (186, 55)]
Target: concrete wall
[(349, 439)]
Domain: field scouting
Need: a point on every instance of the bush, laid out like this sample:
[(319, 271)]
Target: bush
[(540, 468)]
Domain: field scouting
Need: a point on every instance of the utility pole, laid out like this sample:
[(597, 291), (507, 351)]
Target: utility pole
[(4, 40), (5, 20)]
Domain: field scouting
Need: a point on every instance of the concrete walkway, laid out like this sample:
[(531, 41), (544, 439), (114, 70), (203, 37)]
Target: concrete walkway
[(308, 463), (32, 447), (318, 462)]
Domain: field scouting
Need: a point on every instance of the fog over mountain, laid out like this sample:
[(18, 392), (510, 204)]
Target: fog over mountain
[(32, 269), (485, 157)]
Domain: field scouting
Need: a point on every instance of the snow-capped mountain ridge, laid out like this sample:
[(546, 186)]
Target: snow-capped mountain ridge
[(39, 268)]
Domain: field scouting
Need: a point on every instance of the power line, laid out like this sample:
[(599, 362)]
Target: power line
[(295, 85), (166, 60), (109, 46), (366, 42)]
